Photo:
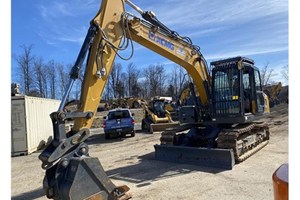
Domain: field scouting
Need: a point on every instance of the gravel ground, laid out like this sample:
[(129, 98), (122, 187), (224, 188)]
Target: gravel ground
[(131, 161)]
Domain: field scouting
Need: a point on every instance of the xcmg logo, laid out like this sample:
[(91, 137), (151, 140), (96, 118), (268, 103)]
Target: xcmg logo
[(161, 40)]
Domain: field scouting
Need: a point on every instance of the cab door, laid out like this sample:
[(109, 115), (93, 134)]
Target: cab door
[(252, 90), (259, 101)]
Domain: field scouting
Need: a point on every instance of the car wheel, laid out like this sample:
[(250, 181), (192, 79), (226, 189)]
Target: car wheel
[(143, 124)]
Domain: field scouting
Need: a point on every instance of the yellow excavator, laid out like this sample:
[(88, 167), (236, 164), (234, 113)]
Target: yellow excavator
[(273, 92), (185, 96), (221, 128)]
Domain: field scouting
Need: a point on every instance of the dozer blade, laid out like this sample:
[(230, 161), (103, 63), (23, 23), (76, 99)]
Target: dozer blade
[(82, 178), (162, 126), (219, 158)]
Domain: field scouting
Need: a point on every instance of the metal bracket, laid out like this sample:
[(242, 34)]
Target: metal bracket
[(52, 152)]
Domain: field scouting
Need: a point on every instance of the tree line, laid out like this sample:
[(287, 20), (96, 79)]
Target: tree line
[(49, 79)]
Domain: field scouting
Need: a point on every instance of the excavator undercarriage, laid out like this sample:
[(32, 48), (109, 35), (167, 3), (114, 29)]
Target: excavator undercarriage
[(212, 146)]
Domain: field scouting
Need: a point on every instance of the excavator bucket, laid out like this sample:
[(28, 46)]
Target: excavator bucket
[(208, 157), (82, 178), (162, 126)]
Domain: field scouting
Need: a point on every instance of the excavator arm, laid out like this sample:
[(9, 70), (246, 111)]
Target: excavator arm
[(102, 53), (70, 172)]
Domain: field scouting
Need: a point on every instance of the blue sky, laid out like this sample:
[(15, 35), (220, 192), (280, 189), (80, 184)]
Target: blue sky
[(256, 29)]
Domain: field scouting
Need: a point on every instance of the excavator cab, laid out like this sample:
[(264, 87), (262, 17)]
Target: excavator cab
[(237, 95)]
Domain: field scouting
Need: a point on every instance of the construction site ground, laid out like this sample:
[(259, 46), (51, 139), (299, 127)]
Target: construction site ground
[(131, 161)]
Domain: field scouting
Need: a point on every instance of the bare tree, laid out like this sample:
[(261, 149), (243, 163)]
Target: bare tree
[(40, 77), (52, 77), (120, 86), (136, 88), (144, 89), (266, 73), (171, 91), (176, 80), (162, 78), (285, 73), (63, 78), (132, 79), (114, 78), (155, 78), (25, 61)]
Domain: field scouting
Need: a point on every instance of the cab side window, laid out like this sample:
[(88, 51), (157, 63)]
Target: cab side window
[(257, 81)]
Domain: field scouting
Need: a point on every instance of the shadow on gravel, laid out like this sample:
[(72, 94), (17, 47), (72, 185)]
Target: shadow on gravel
[(99, 138), (148, 170), (34, 194)]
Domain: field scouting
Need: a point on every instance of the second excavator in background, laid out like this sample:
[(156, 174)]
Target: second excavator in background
[(221, 128), (273, 91)]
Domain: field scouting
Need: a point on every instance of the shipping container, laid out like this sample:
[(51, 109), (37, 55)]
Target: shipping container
[(31, 126)]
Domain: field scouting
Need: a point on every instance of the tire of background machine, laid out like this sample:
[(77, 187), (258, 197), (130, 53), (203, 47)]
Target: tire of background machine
[(136, 104), (107, 136), (149, 127), (133, 134), (143, 124), (146, 124), (123, 135)]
